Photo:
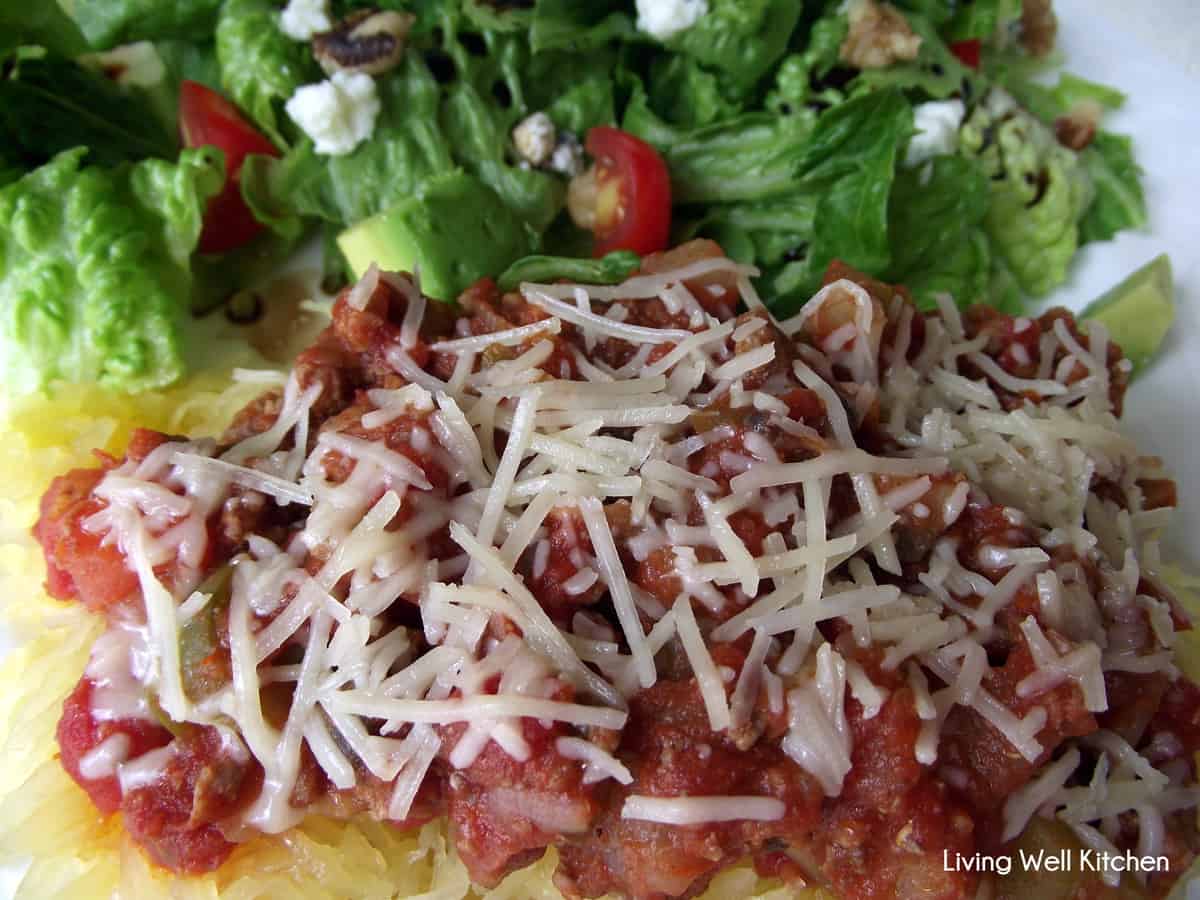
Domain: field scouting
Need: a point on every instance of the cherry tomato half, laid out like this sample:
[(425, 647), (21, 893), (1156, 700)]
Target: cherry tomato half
[(208, 119), (967, 52), (633, 193)]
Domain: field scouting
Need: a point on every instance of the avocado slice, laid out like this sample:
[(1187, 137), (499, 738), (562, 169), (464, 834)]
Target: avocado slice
[(1139, 311), (454, 230)]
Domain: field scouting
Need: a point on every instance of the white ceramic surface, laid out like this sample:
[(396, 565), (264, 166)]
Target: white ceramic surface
[(1148, 50)]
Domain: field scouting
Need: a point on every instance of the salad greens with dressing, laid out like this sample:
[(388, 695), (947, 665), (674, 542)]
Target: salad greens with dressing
[(912, 142)]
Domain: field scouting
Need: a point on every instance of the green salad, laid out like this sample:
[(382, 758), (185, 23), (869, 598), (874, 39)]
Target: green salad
[(156, 155)]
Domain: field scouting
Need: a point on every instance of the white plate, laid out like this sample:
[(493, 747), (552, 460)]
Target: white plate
[(1148, 51)]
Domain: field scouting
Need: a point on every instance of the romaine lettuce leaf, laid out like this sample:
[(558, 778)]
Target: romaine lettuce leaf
[(49, 104), (195, 61), (407, 147), (833, 205), (797, 74), (1004, 293), (612, 268), (586, 101), (1039, 192), (261, 67), (849, 163), (107, 23), (1071, 89), (575, 89), (753, 156), (768, 233), (565, 238), (1048, 102), (493, 90), (684, 93), (426, 128), (742, 38), (861, 130), (579, 25), (1108, 162), (938, 12), (1119, 202), (935, 224), (936, 71), (479, 142), (39, 24), (981, 19), (94, 275), (484, 16)]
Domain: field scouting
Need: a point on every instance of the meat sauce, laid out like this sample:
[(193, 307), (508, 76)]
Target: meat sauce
[(671, 750), (883, 836)]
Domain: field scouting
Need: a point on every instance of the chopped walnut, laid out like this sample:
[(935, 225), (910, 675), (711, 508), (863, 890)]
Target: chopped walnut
[(1039, 26), (879, 36), (1077, 128), (369, 41)]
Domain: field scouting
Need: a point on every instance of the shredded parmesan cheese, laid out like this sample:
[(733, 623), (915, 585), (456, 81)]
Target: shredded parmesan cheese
[(701, 810)]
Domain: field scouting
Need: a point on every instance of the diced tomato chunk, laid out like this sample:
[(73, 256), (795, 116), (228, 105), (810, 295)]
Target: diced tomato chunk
[(804, 405), (207, 118), (176, 817), (79, 733), (968, 52), (79, 565)]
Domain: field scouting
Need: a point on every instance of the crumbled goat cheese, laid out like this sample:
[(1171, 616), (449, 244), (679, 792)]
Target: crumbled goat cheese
[(937, 125), (535, 137), (663, 19), (540, 145), (338, 114), (567, 158), (301, 19)]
